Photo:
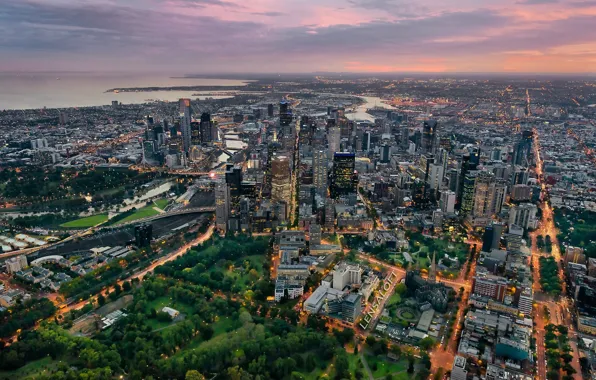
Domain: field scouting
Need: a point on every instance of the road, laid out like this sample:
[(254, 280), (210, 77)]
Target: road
[(557, 307), (455, 284), (140, 275)]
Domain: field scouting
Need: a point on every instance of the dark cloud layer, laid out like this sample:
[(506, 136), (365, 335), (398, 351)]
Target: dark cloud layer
[(155, 36)]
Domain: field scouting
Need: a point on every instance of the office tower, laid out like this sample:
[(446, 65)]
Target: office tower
[(523, 215), (429, 132), (233, 176), (143, 235), (158, 135), (205, 129), (351, 307), (343, 181), (522, 151), (492, 237), (280, 179), (467, 190), (453, 178), (285, 114), (184, 108), (366, 141), (489, 195), (447, 201), (435, 177), (222, 205), (320, 166), (466, 167), (405, 137), (148, 151), (385, 153), (270, 110), (333, 140), (475, 156), (520, 176)]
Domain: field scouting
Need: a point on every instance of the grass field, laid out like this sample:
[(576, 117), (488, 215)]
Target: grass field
[(161, 203), (31, 370), (159, 304), (87, 222), (384, 367), (141, 213), (394, 299)]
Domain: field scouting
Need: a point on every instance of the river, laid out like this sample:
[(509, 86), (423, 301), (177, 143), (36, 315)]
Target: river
[(369, 102)]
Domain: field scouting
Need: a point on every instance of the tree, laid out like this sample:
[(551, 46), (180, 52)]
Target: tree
[(426, 343), (411, 366), (126, 286), (101, 300), (401, 288), (193, 374), (342, 366), (395, 350)]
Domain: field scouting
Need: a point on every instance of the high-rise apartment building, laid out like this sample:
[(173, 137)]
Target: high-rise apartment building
[(320, 166), (333, 140), (184, 112), (429, 131), (222, 205), (280, 179), (447, 201), (489, 195)]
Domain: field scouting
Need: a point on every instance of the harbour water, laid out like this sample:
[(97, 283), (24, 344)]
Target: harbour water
[(61, 90)]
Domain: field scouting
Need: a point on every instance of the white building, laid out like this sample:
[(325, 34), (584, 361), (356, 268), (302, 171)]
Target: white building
[(526, 298), (346, 274), (15, 264), (459, 371), (447, 201), (523, 215)]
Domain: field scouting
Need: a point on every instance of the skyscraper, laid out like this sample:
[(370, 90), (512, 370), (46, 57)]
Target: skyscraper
[(222, 205), (333, 140), (184, 108), (429, 130), (447, 201), (319, 160), (522, 151), (466, 166), (489, 195), (492, 237), (280, 179), (270, 110), (206, 128), (467, 190), (405, 137), (343, 178), (285, 114)]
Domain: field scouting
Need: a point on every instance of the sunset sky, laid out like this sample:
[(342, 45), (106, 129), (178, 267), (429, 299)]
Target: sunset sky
[(215, 36)]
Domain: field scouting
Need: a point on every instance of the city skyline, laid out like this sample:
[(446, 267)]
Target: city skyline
[(200, 36)]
